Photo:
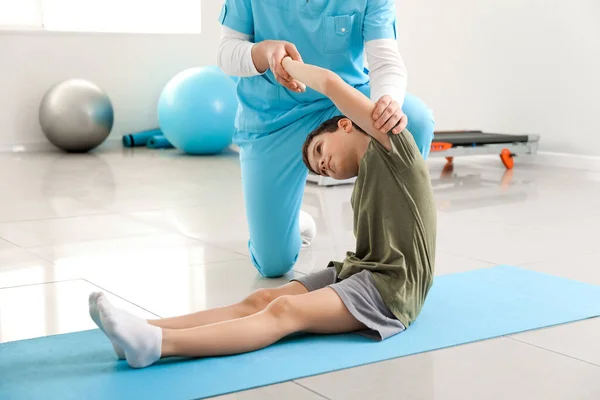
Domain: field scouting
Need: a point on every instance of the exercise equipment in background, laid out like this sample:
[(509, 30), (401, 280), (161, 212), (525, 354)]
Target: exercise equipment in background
[(152, 138), (451, 144), (158, 142), (76, 115), (196, 110), (465, 143), (140, 139), (215, 68), (155, 139), (460, 308)]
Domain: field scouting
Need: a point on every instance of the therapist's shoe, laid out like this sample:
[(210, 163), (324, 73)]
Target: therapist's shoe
[(308, 228)]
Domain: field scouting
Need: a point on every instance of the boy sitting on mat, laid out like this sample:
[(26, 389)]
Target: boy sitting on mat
[(377, 291)]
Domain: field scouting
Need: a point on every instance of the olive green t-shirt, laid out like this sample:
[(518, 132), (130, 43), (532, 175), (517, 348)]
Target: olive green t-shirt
[(395, 223)]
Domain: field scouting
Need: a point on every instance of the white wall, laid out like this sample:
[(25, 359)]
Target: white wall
[(514, 66), (510, 66), (132, 69)]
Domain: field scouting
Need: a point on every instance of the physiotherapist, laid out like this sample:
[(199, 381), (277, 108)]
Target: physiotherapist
[(276, 113)]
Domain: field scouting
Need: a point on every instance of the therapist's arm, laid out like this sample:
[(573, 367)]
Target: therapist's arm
[(238, 55), (234, 56), (388, 77), (350, 101), (386, 69)]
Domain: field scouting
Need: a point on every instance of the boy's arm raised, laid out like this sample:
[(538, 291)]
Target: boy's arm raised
[(350, 101)]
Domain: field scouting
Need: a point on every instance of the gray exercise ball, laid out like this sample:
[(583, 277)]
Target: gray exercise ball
[(76, 115)]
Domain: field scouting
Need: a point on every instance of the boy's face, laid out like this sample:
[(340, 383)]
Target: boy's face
[(335, 154)]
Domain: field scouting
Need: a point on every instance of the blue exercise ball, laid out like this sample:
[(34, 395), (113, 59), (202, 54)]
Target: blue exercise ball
[(217, 69), (196, 110)]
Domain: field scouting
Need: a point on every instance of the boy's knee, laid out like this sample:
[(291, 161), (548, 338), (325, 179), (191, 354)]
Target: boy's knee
[(259, 300), (281, 308), (275, 261)]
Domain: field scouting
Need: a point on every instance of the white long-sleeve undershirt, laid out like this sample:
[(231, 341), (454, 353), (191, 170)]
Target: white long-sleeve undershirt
[(387, 71)]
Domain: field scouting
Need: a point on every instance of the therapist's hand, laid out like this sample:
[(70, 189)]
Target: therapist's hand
[(388, 114), (270, 53)]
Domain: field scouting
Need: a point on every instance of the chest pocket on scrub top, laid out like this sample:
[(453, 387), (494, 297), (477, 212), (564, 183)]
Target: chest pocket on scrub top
[(339, 32)]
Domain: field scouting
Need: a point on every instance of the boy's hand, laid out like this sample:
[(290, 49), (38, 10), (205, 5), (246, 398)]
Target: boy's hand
[(388, 114), (272, 53)]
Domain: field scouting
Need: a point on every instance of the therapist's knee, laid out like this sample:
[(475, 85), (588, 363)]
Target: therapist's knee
[(421, 122), (276, 259)]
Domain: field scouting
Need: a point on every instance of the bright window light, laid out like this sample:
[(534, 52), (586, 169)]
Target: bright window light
[(118, 16), (20, 14)]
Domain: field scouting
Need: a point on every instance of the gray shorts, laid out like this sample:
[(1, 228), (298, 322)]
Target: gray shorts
[(362, 299)]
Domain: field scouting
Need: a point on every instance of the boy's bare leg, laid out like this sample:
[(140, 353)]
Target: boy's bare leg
[(252, 304), (321, 311)]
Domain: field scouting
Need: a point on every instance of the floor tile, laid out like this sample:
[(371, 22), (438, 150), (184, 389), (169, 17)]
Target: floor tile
[(287, 391), (502, 244), (150, 251), (311, 260), (578, 267), (578, 339), (181, 289), (5, 245), (446, 263), (47, 309), (20, 267), (494, 369), (218, 225), (162, 180), (475, 192), (18, 209), (155, 195), (533, 213), (518, 197), (57, 184), (136, 258), (73, 230)]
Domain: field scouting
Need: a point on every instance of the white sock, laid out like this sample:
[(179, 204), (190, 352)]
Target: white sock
[(140, 341), (95, 314)]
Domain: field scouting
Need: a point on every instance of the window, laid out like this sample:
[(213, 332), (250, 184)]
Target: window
[(129, 16), (20, 14)]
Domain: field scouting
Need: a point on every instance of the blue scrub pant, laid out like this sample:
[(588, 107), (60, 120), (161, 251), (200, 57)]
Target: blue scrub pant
[(274, 177)]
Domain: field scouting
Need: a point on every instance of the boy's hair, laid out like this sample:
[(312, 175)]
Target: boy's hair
[(329, 126)]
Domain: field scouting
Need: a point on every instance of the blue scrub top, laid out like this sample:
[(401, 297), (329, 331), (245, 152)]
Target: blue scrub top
[(327, 33)]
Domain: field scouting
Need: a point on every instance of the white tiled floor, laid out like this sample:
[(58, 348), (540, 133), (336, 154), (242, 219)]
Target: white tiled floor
[(51, 308), (494, 369), (165, 234)]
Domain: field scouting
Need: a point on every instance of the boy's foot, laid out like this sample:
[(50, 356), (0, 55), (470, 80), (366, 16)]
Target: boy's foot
[(140, 341), (308, 228), (95, 314)]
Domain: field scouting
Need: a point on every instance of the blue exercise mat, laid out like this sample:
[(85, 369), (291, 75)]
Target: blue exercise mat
[(461, 308)]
